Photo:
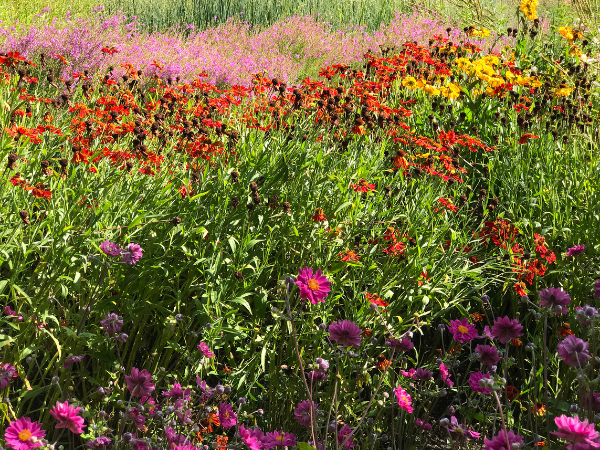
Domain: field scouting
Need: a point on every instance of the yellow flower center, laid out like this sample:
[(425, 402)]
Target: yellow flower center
[(24, 435), (279, 438), (313, 284), (462, 329)]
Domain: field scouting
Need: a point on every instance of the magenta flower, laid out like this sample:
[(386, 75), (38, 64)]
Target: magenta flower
[(7, 373), (278, 439), (590, 401), (499, 441), (574, 351), (343, 439), (574, 430), (302, 413), (597, 289), (252, 438), (177, 392), (556, 299), (110, 248), (445, 375), (313, 287), (205, 349), (131, 254), (139, 383), (461, 428), (586, 315), (67, 417), (404, 400), (134, 415), (345, 333), (21, 434), (112, 323), (227, 417), (402, 345), (409, 374), (423, 374), (576, 251), (70, 360), (462, 331), (505, 329), (476, 383), (488, 355)]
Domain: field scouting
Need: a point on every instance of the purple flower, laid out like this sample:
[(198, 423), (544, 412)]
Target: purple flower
[(586, 315), (23, 434), (227, 417), (313, 287), (134, 415), (455, 427), (445, 375), (343, 439), (480, 386), (597, 289), (345, 333), (576, 251), (556, 299), (139, 383), (423, 374), (206, 391), (488, 355), (574, 430), (402, 345), (112, 323), (499, 441), (590, 401), (574, 351), (70, 360), (302, 413), (7, 373), (177, 392), (99, 442), (252, 438), (67, 417), (205, 349), (505, 329), (110, 248), (316, 375), (131, 254), (462, 331), (278, 439)]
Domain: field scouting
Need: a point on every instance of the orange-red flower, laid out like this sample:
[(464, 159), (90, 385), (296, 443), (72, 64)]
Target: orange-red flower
[(349, 255), (363, 186), (374, 298), (319, 215)]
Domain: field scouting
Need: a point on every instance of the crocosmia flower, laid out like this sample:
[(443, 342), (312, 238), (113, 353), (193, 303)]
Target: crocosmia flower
[(23, 434), (462, 331), (314, 287)]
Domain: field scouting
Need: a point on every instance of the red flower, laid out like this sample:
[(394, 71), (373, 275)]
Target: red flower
[(319, 215), (349, 255), (363, 186), (525, 137), (374, 298)]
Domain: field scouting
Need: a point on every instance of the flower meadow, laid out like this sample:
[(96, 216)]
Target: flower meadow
[(398, 252)]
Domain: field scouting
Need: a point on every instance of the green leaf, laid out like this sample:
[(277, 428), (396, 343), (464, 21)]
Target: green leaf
[(305, 446)]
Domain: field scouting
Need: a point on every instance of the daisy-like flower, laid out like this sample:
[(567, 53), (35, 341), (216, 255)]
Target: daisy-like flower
[(505, 329), (576, 251), (348, 255), (70, 360), (346, 333), (7, 373), (205, 349), (402, 345), (574, 351), (404, 400), (488, 355), (139, 383), (342, 437), (110, 248), (252, 438), (314, 287), (177, 392), (227, 417), (499, 441), (555, 299), (278, 439), (23, 434), (462, 331), (461, 428), (363, 186), (476, 383), (67, 417), (574, 430), (445, 375), (131, 254), (302, 413)]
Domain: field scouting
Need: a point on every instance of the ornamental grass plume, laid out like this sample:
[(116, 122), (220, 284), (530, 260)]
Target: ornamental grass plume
[(556, 299), (505, 329), (314, 287), (577, 432), (67, 417), (574, 351), (462, 331), (23, 434), (346, 333)]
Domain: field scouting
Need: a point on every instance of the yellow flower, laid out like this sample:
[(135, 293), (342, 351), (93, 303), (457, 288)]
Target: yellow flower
[(569, 34), (452, 91), (529, 8), (562, 91), (411, 83), (482, 32), (431, 90), (574, 51)]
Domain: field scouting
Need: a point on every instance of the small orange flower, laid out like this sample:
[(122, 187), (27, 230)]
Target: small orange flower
[(516, 342), (565, 330), (477, 317), (222, 442), (539, 408), (383, 363), (374, 298), (319, 215), (349, 255)]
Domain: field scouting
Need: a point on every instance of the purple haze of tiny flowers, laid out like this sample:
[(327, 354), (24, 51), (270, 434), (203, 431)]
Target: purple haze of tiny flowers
[(574, 430), (474, 382), (7, 373), (278, 439), (314, 287), (302, 412), (205, 349), (556, 299), (455, 427), (499, 441), (402, 345), (70, 360), (462, 331), (227, 417), (110, 248), (586, 315), (345, 333), (252, 438), (488, 355), (177, 392), (574, 351), (67, 417), (576, 251), (590, 401), (505, 329), (139, 383), (21, 434), (131, 254), (404, 400), (112, 323), (343, 439), (445, 374)]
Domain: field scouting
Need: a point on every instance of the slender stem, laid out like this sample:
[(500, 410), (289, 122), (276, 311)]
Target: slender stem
[(545, 350), (502, 419)]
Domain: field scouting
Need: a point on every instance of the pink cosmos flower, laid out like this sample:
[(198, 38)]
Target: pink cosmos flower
[(110, 248), (227, 417), (404, 400), (139, 383), (67, 417), (177, 392), (462, 331), (499, 441), (252, 438), (505, 329), (313, 287), (7, 373), (445, 374), (574, 351), (346, 333), (574, 430), (302, 413), (476, 385), (278, 439), (131, 254), (21, 433), (205, 349), (410, 374)]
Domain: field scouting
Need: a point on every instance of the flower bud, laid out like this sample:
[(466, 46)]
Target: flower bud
[(445, 422)]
